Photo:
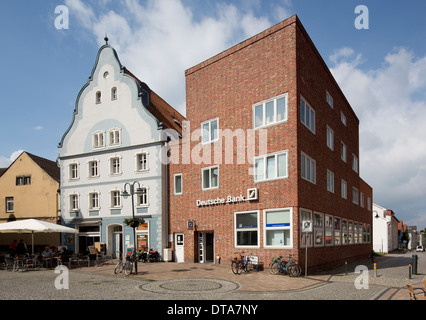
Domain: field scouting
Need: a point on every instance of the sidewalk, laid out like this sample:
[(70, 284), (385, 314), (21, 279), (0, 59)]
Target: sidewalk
[(390, 279), (261, 281)]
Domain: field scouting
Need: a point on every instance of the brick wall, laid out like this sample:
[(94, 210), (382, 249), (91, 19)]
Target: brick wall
[(279, 60)]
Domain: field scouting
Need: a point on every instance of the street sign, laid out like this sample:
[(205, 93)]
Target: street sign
[(307, 226)]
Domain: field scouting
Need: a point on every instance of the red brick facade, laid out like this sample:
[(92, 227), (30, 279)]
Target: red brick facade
[(280, 60)]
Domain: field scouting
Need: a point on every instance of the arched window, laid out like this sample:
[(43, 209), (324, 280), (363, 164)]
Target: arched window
[(98, 97), (114, 93)]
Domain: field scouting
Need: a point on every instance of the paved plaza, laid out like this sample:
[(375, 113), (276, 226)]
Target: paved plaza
[(187, 281)]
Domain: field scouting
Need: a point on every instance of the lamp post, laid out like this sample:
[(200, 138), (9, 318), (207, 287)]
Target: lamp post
[(125, 194)]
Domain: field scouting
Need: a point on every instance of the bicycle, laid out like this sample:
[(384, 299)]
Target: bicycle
[(124, 264), (243, 264), (281, 266)]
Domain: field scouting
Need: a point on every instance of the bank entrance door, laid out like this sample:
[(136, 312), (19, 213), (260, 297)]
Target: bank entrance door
[(179, 248), (205, 247)]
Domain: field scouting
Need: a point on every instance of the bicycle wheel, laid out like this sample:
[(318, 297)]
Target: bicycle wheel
[(128, 267), (235, 267), (294, 270), (275, 267), (249, 266), (118, 267)]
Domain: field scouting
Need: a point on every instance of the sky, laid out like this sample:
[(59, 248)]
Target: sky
[(47, 55)]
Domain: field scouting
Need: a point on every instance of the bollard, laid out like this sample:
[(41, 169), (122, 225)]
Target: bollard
[(375, 270), (409, 271), (346, 268)]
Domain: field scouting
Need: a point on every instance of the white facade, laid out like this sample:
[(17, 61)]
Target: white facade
[(113, 140), (385, 230)]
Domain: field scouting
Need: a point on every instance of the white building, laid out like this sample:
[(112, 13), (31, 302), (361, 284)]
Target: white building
[(385, 230), (116, 137)]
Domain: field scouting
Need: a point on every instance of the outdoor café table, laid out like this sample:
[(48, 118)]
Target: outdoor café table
[(18, 262), (47, 261)]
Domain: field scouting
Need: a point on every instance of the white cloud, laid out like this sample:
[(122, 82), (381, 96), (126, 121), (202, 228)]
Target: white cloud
[(7, 161), (392, 130), (160, 39)]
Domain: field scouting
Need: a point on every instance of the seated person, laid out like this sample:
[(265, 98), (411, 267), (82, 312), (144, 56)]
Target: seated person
[(47, 253)]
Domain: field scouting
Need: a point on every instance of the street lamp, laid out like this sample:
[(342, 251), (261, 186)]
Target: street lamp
[(125, 194)]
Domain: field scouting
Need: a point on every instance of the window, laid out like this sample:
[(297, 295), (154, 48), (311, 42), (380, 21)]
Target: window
[(270, 111), (98, 97), (74, 202), (343, 152), (142, 199), (351, 232), (178, 183), (114, 93), (354, 163), (329, 99), (307, 115), (93, 169), (330, 181), (318, 229), (94, 200), (328, 225), (360, 232), (115, 199), (114, 137), (305, 237), (10, 204), (343, 118), (115, 166), (210, 178), (345, 231), (355, 195), (362, 200), (98, 140), (356, 232), (337, 230), (330, 138), (141, 162), (366, 233), (23, 181), (344, 189), (278, 228), (73, 171), (209, 130), (272, 166), (369, 204), (308, 166), (246, 229)]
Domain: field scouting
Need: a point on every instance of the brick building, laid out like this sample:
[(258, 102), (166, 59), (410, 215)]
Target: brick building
[(303, 164)]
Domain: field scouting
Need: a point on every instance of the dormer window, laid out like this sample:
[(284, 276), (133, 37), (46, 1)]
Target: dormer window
[(98, 97), (114, 137), (114, 94), (98, 140)]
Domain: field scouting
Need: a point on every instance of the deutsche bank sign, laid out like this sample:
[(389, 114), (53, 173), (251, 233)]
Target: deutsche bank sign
[(252, 194)]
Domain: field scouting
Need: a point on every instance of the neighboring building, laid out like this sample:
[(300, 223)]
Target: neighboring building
[(385, 226), (117, 136), (414, 236), (277, 82), (29, 190)]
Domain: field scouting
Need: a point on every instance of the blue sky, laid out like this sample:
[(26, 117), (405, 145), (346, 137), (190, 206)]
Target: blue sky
[(382, 70)]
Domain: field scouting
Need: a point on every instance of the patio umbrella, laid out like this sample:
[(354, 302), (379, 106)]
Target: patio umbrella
[(34, 226)]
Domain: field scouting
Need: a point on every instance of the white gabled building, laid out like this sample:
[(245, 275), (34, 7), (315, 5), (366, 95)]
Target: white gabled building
[(117, 136), (385, 230)]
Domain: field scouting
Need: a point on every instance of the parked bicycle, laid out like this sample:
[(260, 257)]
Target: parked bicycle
[(125, 263), (241, 264), (289, 266)]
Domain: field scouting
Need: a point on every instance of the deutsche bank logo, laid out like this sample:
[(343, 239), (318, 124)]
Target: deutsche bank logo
[(252, 194)]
